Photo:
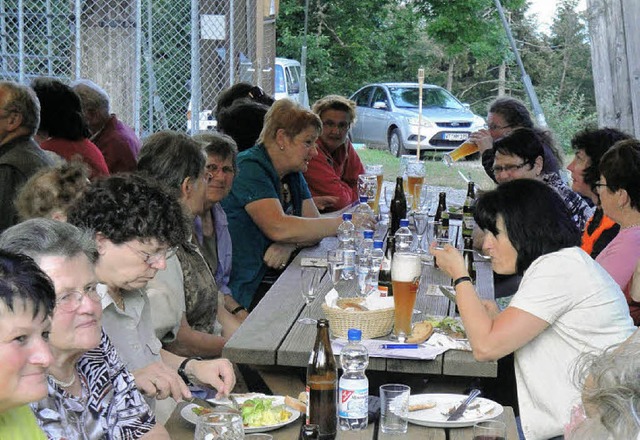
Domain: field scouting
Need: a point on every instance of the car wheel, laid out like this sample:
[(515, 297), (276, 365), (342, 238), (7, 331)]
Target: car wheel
[(396, 147)]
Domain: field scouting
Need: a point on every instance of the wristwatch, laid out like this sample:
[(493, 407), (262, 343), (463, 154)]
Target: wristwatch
[(181, 369)]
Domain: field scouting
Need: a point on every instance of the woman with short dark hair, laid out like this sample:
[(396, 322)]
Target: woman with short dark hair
[(565, 305)]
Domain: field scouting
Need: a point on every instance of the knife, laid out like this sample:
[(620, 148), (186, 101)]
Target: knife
[(206, 404), (449, 292), (459, 411)]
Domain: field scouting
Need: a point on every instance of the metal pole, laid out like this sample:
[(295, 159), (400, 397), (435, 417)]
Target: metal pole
[(78, 35), (232, 48), (195, 66), (137, 76), (149, 61), (21, 54), (3, 35), (303, 60), (526, 80), (48, 18)]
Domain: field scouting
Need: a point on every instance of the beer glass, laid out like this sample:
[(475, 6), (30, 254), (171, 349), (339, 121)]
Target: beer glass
[(368, 186), (405, 277), (415, 175), (376, 170), (465, 149), (219, 425)]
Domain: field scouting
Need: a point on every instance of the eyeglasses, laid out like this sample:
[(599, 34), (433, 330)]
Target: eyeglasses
[(498, 127), (341, 126), (497, 169), (70, 301), (598, 185), (214, 169), (151, 259)]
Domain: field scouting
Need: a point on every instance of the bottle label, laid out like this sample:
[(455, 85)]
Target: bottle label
[(306, 390), (354, 404)]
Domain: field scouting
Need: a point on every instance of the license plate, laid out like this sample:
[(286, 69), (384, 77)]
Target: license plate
[(456, 136)]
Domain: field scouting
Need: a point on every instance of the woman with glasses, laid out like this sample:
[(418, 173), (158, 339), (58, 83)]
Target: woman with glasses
[(91, 395), (26, 303), (505, 115), (565, 305), (619, 193)]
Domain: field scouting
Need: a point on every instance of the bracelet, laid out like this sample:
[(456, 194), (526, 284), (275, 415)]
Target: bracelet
[(237, 310), (462, 280), (181, 369)]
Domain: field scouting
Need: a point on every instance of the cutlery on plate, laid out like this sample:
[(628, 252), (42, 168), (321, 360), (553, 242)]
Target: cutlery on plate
[(449, 292), (206, 404), (459, 411)]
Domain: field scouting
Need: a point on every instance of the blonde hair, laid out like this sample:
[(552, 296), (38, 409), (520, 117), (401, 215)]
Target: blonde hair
[(336, 102), (289, 116)]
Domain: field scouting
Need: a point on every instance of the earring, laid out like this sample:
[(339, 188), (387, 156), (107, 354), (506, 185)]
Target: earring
[(281, 148)]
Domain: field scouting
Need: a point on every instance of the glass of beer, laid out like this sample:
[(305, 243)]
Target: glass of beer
[(465, 149), (376, 170), (405, 277), (415, 176), (368, 186)]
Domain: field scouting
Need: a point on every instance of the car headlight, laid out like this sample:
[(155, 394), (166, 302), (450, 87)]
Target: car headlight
[(426, 123), (478, 123)]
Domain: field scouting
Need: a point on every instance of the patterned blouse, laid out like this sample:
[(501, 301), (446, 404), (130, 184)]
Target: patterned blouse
[(111, 407)]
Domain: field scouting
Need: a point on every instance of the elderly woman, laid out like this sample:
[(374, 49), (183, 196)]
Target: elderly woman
[(589, 146), (270, 201), (566, 303), (91, 394), (619, 192), (51, 191), (26, 302), (505, 115), (137, 226)]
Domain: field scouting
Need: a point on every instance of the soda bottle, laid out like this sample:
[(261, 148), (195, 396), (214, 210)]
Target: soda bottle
[(346, 235), (353, 408), (404, 237), (398, 209), (322, 384), (377, 255), (362, 216), (468, 223), (384, 277), (442, 206)]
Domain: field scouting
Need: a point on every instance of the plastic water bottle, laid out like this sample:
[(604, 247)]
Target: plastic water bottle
[(353, 388), (346, 234), (364, 261), (377, 255), (362, 216), (404, 237)]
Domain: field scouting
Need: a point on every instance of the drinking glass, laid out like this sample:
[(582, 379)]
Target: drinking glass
[(406, 269), (490, 430), (432, 229), (219, 425), (368, 186), (465, 149), (418, 190), (394, 408), (309, 277), (415, 175), (376, 170), (420, 220)]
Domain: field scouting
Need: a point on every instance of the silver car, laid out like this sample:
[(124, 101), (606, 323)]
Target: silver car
[(387, 116)]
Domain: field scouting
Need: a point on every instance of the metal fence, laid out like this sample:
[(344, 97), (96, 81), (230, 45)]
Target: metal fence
[(157, 59)]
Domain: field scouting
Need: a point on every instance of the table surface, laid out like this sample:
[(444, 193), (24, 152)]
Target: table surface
[(271, 335)]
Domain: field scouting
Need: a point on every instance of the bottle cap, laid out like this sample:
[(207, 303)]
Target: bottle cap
[(354, 334), (404, 223), (346, 216), (377, 244), (368, 233), (364, 199)]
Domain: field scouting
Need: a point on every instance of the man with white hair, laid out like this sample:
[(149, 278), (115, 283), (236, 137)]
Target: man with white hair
[(117, 141)]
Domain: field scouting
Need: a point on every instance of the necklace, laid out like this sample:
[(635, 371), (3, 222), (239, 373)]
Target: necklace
[(61, 383)]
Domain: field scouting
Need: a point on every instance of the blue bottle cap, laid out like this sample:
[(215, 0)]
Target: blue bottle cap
[(354, 334), (377, 244), (346, 216), (363, 199), (367, 234), (404, 223)]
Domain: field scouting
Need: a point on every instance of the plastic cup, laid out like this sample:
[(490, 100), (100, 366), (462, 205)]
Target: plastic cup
[(490, 430), (394, 408)]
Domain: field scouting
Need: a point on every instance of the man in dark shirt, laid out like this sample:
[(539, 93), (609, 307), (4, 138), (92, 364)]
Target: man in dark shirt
[(20, 155)]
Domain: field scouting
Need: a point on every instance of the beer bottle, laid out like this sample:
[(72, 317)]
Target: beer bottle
[(468, 258), (468, 223), (322, 385), (442, 206), (398, 206), (442, 232), (384, 278)]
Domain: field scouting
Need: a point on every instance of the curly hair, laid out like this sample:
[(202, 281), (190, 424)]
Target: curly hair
[(60, 110), (52, 189), (21, 280), (335, 102), (620, 165), (594, 143), (130, 207)]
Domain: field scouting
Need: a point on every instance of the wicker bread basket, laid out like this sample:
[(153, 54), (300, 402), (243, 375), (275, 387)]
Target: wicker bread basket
[(372, 323)]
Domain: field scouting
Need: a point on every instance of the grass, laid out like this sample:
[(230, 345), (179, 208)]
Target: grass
[(437, 173)]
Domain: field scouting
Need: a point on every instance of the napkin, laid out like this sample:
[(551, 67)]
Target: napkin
[(372, 302)]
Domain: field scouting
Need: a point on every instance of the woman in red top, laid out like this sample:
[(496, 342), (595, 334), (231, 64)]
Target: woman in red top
[(63, 129)]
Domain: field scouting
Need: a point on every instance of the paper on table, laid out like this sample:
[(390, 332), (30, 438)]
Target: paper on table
[(436, 345), (372, 302)]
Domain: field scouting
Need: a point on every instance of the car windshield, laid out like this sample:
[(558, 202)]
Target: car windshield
[(407, 97)]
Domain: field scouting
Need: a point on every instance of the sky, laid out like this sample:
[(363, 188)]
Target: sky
[(545, 9)]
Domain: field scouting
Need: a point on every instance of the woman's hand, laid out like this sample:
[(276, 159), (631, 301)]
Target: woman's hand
[(450, 260), (482, 138), (217, 373), (160, 381), (324, 202), (278, 254), (365, 222)]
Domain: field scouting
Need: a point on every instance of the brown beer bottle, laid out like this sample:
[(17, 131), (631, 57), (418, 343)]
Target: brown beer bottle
[(398, 208), (442, 207), (468, 223), (468, 258), (384, 277), (322, 385)]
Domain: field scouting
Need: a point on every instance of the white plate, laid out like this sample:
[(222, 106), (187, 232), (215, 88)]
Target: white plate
[(436, 417), (188, 414)]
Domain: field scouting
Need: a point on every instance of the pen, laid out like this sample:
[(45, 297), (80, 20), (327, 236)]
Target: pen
[(390, 346)]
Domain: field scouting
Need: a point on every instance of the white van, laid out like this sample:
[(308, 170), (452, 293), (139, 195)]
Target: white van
[(287, 81)]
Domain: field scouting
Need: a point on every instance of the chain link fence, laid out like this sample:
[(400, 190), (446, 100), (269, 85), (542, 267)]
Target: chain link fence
[(159, 60)]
